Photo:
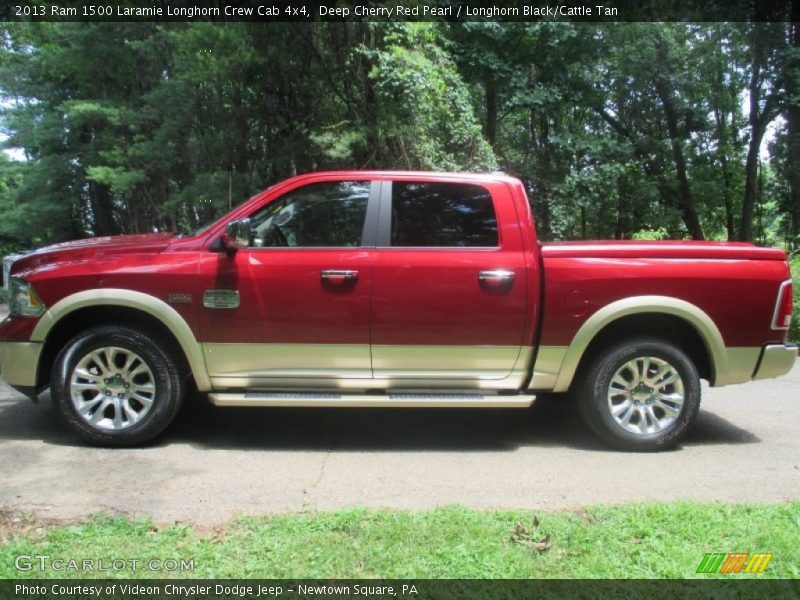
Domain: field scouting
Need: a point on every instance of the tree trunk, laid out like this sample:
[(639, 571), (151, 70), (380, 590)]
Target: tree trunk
[(727, 197), (751, 163), (584, 232), (758, 124), (793, 126), (100, 199), (721, 113), (793, 118), (761, 114), (491, 110), (619, 227), (543, 221), (686, 201), (750, 183), (760, 232)]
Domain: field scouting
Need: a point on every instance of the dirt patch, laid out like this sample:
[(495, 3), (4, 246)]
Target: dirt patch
[(581, 513), (16, 523)]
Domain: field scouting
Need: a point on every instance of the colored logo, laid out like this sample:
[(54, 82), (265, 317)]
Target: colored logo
[(734, 562)]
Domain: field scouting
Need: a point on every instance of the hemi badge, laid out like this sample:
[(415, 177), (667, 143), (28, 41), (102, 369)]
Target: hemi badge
[(179, 298), (221, 299)]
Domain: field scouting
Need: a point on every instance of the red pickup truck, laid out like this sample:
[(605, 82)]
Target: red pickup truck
[(391, 289)]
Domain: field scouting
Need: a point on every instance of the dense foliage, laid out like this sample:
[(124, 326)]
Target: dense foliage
[(629, 130)]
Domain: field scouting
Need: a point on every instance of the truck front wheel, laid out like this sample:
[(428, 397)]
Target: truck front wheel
[(641, 394), (115, 386)]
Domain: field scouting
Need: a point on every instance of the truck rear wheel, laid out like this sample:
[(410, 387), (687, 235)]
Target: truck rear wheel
[(641, 394), (115, 386)]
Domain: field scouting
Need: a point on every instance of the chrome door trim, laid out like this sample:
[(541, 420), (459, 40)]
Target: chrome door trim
[(501, 275), (345, 274)]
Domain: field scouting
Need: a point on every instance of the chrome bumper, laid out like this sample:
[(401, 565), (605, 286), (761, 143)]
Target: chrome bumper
[(776, 360), (19, 362)]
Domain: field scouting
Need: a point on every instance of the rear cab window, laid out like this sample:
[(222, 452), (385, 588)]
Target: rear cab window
[(442, 215)]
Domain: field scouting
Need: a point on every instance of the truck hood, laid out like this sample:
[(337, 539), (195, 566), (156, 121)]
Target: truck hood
[(93, 248), (665, 249)]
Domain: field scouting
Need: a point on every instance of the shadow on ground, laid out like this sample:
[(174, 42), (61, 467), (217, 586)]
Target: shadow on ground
[(551, 422)]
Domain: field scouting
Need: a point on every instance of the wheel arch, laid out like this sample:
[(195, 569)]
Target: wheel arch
[(672, 318), (76, 312)]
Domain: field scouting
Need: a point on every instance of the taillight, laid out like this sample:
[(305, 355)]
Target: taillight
[(782, 317)]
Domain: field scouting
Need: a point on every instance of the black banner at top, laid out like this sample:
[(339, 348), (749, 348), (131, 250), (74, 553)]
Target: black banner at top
[(398, 10)]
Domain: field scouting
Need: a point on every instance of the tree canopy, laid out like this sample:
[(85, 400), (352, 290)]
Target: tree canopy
[(619, 130)]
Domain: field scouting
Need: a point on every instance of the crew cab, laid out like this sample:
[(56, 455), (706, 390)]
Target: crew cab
[(391, 289)]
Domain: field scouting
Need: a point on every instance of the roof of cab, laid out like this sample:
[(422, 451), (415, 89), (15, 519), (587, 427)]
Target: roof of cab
[(399, 174)]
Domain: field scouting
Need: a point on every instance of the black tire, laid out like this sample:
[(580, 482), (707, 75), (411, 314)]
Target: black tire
[(161, 372), (596, 396)]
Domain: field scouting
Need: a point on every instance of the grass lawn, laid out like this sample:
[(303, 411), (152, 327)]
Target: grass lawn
[(630, 541)]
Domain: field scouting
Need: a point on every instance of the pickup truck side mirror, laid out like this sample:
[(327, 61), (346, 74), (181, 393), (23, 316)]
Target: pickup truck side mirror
[(238, 235)]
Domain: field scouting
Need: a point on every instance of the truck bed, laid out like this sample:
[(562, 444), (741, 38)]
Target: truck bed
[(665, 249)]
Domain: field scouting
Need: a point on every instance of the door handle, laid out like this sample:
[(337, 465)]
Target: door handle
[(496, 276), (338, 276)]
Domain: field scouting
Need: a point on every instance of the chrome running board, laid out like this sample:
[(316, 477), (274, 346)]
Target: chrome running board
[(390, 400)]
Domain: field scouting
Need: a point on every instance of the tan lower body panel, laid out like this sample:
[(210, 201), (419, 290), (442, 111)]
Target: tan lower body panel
[(18, 362), (489, 362), (547, 367), (741, 365), (777, 360), (350, 366), (400, 400), (258, 361)]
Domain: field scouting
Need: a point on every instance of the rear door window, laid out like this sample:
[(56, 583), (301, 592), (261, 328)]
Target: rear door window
[(435, 215)]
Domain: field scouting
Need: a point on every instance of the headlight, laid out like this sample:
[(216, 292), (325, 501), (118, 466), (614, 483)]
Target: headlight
[(23, 300)]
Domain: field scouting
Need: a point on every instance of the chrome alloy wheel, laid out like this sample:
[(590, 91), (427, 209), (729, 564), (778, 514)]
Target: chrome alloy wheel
[(645, 395), (112, 388)]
